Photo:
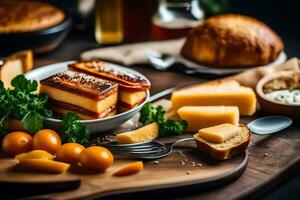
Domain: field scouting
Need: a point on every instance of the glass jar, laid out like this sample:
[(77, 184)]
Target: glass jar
[(175, 18), (108, 22)]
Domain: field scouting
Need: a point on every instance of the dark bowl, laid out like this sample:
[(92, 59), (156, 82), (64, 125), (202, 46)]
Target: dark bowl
[(41, 41)]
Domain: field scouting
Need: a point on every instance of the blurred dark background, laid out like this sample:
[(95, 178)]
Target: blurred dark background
[(280, 15)]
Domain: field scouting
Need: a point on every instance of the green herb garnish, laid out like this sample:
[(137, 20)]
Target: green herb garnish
[(73, 129), (22, 104), (167, 127)]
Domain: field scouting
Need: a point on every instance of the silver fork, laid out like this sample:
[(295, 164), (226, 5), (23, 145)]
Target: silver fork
[(145, 150)]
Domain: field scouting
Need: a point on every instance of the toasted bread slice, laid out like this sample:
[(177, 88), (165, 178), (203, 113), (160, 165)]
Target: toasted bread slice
[(26, 57), (81, 84), (125, 79), (61, 108), (227, 149), (15, 64)]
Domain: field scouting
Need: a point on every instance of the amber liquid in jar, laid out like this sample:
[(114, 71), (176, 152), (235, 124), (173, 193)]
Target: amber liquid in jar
[(170, 31), (108, 22), (175, 18)]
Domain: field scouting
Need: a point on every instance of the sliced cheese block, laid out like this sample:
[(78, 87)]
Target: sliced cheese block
[(44, 165), (228, 93), (219, 133), (199, 117), (146, 133)]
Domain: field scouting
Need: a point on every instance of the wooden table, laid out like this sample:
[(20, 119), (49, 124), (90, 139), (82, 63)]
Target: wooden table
[(268, 166)]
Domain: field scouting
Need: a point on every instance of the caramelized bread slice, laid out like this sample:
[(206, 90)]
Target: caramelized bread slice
[(61, 108), (88, 92), (125, 79), (81, 84), (227, 149)]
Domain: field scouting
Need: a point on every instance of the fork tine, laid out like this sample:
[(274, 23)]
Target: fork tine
[(127, 145), (141, 148), (136, 150)]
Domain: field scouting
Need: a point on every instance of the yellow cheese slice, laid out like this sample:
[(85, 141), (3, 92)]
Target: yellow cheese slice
[(219, 133), (146, 133), (199, 117), (228, 93)]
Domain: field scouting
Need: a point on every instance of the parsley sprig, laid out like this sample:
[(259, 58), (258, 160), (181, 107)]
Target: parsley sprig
[(167, 127), (73, 129), (23, 104)]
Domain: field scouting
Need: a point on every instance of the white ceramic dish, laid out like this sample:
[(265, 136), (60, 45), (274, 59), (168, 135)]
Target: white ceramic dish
[(227, 71), (96, 125)]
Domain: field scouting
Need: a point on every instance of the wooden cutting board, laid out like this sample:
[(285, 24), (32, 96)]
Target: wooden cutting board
[(186, 166)]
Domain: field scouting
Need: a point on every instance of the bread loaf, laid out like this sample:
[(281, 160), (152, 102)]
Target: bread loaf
[(232, 41)]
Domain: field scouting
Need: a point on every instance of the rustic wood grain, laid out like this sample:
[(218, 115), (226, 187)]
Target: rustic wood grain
[(263, 172), (187, 166)]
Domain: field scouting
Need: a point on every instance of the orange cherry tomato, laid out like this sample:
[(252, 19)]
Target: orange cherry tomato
[(47, 140), (17, 142), (96, 158), (69, 153)]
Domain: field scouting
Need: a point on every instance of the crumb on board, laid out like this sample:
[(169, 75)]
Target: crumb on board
[(188, 172), (156, 162)]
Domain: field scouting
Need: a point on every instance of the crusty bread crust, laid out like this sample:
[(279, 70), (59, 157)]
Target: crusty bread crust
[(28, 15), (224, 153), (229, 41)]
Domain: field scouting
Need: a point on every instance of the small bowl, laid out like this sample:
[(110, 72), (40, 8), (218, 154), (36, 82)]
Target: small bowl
[(278, 81), (41, 41), (95, 125)]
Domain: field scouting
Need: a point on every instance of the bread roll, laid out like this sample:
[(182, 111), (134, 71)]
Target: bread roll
[(232, 41)]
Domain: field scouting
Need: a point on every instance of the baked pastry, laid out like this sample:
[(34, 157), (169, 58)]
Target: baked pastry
[(132, 88), (28, 15), (227, 149), (87, 96), (231, 40)]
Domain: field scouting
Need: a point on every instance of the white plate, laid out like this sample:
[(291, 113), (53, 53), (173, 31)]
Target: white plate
[(94, 125), (223, 71)]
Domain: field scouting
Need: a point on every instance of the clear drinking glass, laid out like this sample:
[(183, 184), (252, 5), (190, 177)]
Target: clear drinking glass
[(108, 23)]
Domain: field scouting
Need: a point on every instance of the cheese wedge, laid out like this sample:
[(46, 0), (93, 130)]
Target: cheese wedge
[(199, 117), (225, 93), (219, 133), (146, 133)]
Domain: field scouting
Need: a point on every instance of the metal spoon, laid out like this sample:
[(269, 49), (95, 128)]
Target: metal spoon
[(270, 124)]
